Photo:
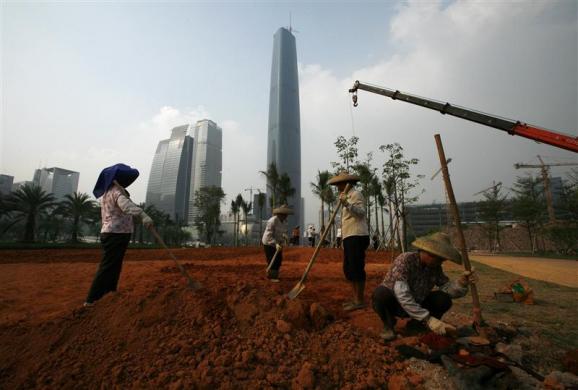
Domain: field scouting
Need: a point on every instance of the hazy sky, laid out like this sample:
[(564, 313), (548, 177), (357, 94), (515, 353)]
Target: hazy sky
[(89, 84)]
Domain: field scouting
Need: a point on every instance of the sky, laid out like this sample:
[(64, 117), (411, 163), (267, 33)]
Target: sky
[(85, 85)]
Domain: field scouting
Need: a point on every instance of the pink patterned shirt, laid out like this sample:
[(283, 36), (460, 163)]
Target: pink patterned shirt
[(117, 211)]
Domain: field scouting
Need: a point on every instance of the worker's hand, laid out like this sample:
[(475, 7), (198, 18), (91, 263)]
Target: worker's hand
[(278, 247), (468, 277), (439, 327), (343, 198), (146, 221), (285, 238)]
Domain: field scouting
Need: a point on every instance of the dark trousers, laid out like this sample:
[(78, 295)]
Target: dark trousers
[(269, 253), (106, 279), (387, 307)]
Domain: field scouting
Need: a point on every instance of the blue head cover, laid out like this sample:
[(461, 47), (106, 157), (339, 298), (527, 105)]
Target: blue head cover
[(123, 174)]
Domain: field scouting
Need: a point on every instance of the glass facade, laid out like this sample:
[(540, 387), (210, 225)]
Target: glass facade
[(57, 181), (284, 133), (207, 161), (169, 182)]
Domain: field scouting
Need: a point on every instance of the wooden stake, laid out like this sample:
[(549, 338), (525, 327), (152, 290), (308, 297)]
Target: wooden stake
[(477, 311)]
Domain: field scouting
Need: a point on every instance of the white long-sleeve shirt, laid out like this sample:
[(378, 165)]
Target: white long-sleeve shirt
[(353, 220), (274, 231)]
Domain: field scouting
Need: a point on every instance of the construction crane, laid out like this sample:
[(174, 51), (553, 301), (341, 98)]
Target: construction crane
[(512, 127), (494, 187), (546, 178)]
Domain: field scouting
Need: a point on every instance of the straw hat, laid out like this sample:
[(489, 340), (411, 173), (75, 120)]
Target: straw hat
[(343, 177), (283, 209), (438, 244)]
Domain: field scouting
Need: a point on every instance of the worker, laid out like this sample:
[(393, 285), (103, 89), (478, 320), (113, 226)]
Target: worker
[(274, 237), (355, 237), (406, 290), (295, 235), (117, 211), (311, 233)]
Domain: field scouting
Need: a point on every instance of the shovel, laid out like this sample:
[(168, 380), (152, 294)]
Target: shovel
[(193, 284), (300, 286), (273, 260)]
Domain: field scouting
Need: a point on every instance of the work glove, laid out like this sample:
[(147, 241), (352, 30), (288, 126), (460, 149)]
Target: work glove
[(468, 277), (278, 247), (439, 327), (146, 220)]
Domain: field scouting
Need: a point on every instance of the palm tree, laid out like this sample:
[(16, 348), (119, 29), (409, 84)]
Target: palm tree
[(321, 189), (27, 203), (235, 211), (246, 207), (261, 203), (239, 200), (272, 176), (78, 206), (285, 189)]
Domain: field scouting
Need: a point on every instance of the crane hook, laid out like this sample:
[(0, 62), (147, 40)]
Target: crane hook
[(354, 98)]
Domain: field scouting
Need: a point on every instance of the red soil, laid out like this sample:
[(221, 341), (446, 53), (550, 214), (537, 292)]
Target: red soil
[(239, 331)]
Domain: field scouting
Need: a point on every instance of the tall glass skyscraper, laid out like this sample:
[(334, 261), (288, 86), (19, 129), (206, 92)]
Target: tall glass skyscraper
[(207, 160), (169, 182), (284, 137)]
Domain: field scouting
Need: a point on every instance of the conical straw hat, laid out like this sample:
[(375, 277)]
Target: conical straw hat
[(343, 177), (283, 209), (439, 245)]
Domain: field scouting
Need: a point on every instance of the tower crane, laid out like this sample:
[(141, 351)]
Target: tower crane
[(512, 127), (545, 177)]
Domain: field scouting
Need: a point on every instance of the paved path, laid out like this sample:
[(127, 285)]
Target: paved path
[(564, 272)]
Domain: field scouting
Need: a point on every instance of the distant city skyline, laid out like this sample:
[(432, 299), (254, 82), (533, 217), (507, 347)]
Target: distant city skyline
[(100, 96)]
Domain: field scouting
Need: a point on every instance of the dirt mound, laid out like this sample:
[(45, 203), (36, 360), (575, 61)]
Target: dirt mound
[(235, 336)]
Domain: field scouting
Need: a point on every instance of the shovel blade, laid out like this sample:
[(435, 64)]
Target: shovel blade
[(296, 290)]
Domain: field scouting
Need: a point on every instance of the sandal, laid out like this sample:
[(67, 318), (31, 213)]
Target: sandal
[(387, 334), (347, 303)]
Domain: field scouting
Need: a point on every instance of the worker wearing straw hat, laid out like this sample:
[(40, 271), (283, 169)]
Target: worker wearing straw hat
[(274, 237), (406, 290), (355, 237), (117, 212)]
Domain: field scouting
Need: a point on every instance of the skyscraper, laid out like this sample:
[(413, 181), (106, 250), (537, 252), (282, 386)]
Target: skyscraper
[(284, 136), (169, 182), (56, 181), (6, 182), (207, 160)]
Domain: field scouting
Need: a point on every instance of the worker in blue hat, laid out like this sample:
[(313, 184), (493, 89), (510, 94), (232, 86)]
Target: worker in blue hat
[(117, 211)]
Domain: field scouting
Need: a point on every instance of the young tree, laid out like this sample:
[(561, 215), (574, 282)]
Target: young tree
[(529, 206), (397, 175), (208, 202), (347, 152), (492, 209), (27, 204), (77, 206)]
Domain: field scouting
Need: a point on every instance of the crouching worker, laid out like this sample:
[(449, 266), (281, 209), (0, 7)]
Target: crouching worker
[(274, 237), (117, 211), (407, 288)]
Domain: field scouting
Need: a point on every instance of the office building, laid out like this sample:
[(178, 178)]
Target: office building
[(6, 182), (56, 181), (207, 161), (169, 182), (284, 132)]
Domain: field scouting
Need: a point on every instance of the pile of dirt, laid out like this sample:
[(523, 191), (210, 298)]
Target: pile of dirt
[(225, 336)]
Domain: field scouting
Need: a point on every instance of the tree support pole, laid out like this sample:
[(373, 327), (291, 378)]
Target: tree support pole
[(477, 311)]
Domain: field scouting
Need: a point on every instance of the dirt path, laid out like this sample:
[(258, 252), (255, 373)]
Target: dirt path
[(564, 272)]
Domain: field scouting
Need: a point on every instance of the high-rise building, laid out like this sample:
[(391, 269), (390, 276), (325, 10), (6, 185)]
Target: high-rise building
[(284, 136), (207, 160), (56, 181), (6, 182), (169, 182)]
